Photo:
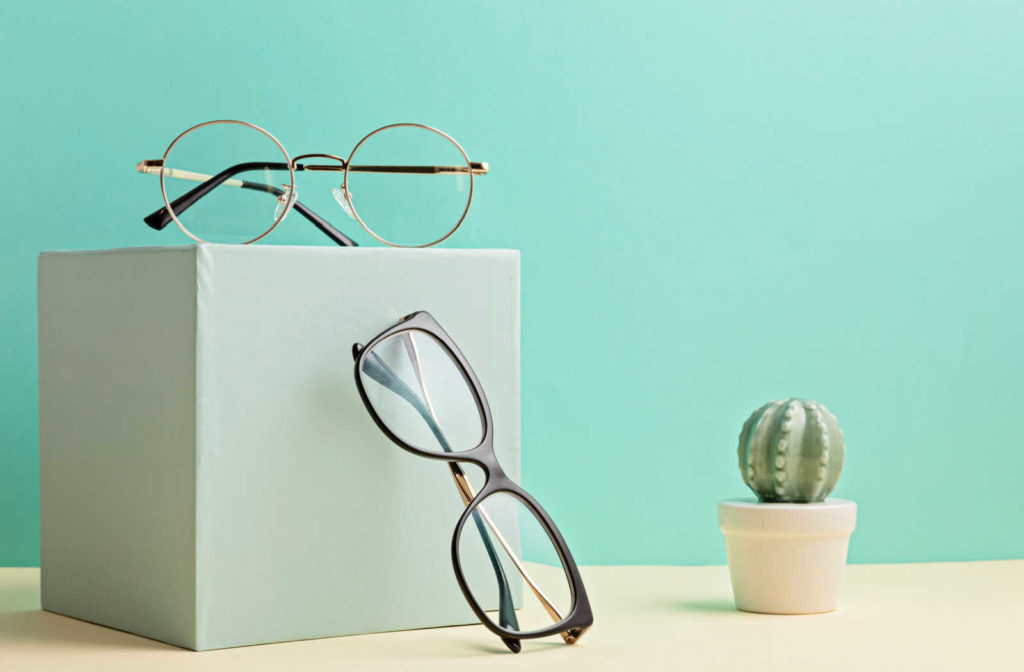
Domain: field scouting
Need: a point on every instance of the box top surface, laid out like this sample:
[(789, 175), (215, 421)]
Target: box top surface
[(258, 250)]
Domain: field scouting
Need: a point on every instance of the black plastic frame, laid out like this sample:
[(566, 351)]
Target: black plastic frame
[(580, 616)]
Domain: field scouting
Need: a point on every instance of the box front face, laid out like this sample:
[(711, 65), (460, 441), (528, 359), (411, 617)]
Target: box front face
[(310, 522)]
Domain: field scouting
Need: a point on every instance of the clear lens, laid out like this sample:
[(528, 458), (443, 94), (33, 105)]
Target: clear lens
[(421, 394), (409, 185), (511, 566), (252, 177)]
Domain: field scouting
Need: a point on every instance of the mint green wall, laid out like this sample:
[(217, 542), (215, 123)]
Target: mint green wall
[(717, 204)]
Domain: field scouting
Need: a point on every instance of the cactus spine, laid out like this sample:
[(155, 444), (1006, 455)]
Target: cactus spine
[(791, 450)]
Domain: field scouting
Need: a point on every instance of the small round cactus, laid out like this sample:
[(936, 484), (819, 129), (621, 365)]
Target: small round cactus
[(791, 450)]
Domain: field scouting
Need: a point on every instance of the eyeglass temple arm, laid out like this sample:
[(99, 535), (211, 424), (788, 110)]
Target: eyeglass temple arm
[(162, 217), (476, 167), (340, 165)]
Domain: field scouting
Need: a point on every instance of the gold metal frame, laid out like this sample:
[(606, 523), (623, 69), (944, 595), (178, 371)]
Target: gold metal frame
[(439, 170), (477, 167), (346, 166), (170, 172)]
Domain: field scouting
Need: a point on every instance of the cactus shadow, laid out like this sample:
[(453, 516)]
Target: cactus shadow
[(705, 606)]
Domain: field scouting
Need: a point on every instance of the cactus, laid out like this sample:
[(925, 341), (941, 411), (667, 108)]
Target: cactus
[(791, 451)]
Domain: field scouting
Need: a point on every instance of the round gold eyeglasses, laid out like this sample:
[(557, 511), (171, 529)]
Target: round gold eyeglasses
[(407, 184)]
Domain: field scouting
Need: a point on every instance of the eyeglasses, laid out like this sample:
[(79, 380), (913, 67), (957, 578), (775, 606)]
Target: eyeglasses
[(422, 393), (408, 185)]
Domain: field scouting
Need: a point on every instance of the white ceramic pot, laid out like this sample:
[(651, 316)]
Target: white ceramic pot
[(786, 558)]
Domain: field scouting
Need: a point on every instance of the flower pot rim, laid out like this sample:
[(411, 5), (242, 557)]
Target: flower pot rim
[(753, 502), (831, 518)]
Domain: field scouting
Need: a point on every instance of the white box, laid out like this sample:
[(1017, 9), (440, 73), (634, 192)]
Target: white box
[(208, 474)]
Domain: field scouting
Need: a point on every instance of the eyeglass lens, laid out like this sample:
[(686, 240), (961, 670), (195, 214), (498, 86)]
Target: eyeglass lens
[(421, 394), (418, 204), (538, 581), (244, 204)]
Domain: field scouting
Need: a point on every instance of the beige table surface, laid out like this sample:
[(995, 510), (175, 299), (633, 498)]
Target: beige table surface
[(941, 616)]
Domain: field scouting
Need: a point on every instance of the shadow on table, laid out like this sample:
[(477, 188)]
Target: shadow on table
[(23, 625), (37, 628), (704, 606), (529, 646)]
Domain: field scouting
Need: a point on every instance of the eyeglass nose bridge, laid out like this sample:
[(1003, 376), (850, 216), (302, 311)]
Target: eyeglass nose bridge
[(314, 167), (341, 193)]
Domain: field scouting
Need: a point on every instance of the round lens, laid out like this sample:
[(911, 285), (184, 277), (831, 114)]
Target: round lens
[(410, 186), (227, 182), (511, 566), (420, 393)]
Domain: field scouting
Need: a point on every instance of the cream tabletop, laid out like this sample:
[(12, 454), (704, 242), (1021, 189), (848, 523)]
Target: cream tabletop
[(940, 616)]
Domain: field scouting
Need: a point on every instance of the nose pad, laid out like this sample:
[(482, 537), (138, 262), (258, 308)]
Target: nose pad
[(339, 196), (285, 201)]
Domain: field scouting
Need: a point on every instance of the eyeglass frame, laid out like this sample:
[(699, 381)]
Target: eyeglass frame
[(161, 217), (580, 616)]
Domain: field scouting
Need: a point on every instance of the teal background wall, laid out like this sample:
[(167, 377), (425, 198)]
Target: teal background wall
[(717, 204)]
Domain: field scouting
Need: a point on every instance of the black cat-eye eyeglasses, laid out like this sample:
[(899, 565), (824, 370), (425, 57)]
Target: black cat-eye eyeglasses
[(512, 564)]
